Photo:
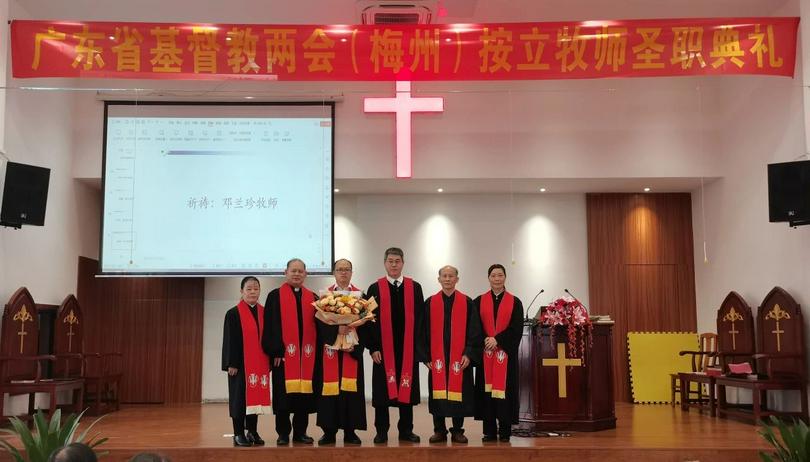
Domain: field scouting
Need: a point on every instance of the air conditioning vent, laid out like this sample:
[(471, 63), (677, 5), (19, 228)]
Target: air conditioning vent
[(396, 18), (397, 11)]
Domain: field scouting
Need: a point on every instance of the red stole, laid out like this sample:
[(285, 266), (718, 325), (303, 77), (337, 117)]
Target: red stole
[(331, 368), (331, 372), (495, 361), (442, 387), (299, 358), (257, 364), (403, 392)]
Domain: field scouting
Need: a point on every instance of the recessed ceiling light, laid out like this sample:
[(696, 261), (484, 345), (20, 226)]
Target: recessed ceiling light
[(440, 190), (646, 189), (337, 189), (249, 97), (542, 189)]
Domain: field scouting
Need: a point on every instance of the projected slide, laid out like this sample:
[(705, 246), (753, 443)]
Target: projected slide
[(217, 189)]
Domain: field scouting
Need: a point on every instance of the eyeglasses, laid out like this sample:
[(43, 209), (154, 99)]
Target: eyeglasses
[(343, 270)]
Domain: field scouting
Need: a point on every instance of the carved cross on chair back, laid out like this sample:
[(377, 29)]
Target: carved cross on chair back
[(101, 372), (779, 361), (734, 342), (68, 338), (20, 335), (21, 365), (735, 327), (781, 331)]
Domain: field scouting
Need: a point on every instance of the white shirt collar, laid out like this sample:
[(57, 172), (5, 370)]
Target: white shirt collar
[(401, 278), (336, 287)]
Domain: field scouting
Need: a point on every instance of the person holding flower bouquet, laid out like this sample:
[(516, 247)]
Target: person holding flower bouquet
[(342, 404), (496, 383)]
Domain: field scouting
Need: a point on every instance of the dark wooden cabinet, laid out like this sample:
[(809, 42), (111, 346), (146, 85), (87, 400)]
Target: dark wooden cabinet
[(558, 392)]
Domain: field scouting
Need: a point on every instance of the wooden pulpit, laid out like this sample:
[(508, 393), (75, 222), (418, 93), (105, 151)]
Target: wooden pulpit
[(558, 392)]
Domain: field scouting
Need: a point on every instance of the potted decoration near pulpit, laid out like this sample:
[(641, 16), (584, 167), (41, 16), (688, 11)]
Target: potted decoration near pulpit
[(566, 370)]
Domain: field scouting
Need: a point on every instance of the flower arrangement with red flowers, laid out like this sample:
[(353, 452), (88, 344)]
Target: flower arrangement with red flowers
[(573, 315)]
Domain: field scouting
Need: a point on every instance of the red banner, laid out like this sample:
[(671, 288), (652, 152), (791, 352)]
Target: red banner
[(510, 51)]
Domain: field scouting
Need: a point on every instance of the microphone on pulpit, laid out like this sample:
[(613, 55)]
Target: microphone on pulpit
[(530, 304), (575, 298)]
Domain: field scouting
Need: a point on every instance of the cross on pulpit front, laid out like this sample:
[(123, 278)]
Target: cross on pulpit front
[(561, 362)]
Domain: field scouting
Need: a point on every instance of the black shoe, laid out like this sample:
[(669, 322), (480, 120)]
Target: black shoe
[(410, 438), (326, 440), (303, 439), (489, 438), (283, 441), (352, 438), (437, 437), (380, 438), (503, 439), (458, 437), (241, 440), (254, 438)]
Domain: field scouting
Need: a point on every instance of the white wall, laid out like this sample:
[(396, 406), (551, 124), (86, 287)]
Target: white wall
[(746, 253), (45, 259), (548, 234), (568, 129)]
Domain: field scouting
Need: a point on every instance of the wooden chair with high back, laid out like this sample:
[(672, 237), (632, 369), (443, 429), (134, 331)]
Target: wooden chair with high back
[(21, 367), (101, 371), (735, 337), (779, 363), (701, 359)]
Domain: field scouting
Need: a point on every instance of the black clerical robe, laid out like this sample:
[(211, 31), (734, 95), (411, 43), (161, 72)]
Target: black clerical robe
[(233, 355), (273, 345), (347, 409), (472, 349), (373, 332), (509, 340)]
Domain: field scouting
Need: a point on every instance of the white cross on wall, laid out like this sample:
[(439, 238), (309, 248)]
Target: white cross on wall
[(403, 106)]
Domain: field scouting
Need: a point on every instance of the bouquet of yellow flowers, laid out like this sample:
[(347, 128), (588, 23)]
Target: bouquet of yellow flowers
[(344, 310)]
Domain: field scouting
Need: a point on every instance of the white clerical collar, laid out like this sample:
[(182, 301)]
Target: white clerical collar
[(297, 289), (252, 306), (401, 278)]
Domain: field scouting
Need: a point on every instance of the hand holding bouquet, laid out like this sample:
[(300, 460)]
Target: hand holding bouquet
[(344, 310)]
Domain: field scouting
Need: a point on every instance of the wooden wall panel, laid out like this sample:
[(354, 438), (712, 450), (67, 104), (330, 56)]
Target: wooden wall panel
[(143, 345), (641, 269), (155, 323), (184, 322)]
